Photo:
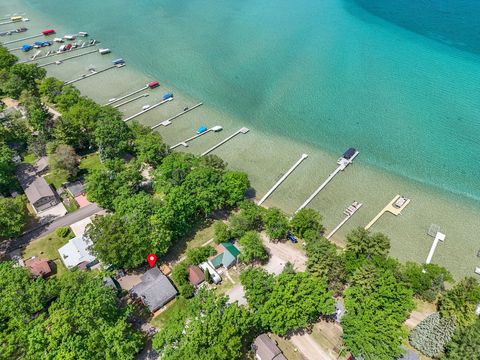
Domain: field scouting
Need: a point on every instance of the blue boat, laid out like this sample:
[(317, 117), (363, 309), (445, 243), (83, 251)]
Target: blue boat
[(26, 48), (39, 43), (118, 61), (201, 129), (167, 96)]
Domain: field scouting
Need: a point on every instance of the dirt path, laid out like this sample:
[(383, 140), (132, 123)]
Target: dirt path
[(310, 348), (280, 254)]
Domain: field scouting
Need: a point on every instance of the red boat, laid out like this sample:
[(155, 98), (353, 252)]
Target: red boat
[(68, 46), (48, 32), (153, 84)]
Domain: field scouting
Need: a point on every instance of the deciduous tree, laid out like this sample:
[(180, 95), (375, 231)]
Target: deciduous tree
[(252, 248), (12, 216), (306, 220), (276, 224)]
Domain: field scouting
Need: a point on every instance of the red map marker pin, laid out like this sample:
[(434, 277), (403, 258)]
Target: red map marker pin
[(152, 259)]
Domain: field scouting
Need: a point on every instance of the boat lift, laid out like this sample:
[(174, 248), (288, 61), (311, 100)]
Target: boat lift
[(185, 142)]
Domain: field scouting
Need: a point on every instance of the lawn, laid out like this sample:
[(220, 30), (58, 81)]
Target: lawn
[(29, 158), (47, 248), (56, 178), (175, 306), (226, 283), (88, 163), (287, 348)]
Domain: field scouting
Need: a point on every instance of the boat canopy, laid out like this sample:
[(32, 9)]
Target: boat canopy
[(118, 61), (167, 96), (349, 153), (27, 47), (153, 84), (48, 32), (201, 129)]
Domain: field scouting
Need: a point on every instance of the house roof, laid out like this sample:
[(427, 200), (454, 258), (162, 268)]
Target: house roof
[(38, 267), (266, 349), (195, 275), (41, 164), (155, 290), (227, 254), (35, 186), (76, 188), (76, 252)]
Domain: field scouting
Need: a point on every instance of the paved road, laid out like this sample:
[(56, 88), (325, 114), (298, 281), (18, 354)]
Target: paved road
[(46, 229)]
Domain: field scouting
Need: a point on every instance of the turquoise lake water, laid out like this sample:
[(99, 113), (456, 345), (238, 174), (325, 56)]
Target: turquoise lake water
[(391, 81)]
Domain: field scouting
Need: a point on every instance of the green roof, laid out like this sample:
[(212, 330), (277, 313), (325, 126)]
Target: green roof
[(217, 260), (231, 249)]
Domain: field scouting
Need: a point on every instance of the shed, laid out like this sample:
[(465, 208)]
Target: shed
[(195, 275), (266, 349), (155, 290), (38, 266)]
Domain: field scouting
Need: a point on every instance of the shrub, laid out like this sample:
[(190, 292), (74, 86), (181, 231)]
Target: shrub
[(222, 233), (63, 231)]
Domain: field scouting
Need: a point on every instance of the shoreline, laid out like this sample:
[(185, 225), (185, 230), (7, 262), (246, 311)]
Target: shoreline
[(361, 181)]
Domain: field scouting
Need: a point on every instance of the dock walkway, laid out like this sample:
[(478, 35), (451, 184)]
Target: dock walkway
[(67, 58), (283, 178), (93, 73), (169, 120), (55, 53), (185, 142), (343, 163), (147, 110), (243, 130), (23, 39), (349, 212), (126, 96), (130, 100), (389, 208)]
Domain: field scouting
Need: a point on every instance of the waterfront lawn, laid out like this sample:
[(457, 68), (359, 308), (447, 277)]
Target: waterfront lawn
[(57, 178), (172, 308), (47, 248)]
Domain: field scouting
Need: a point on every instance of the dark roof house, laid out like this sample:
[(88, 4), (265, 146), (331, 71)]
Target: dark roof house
[(76, 188), (226, 255), (266, 349), (195, 275), (38, 192), (154, 291), (38, 267)]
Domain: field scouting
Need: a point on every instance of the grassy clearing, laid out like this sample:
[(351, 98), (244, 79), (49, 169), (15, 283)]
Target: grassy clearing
[(47, 248), (29, 158), (88, 163), (287, 348), (56, 178), (226, 283), (174, 307)]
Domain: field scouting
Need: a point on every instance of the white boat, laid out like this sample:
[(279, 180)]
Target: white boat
[(145, 107), (69, 37), (58, 62), (112, 99), (82, 33), (120, 65), (59, 40), (104, 51), (217, 128)]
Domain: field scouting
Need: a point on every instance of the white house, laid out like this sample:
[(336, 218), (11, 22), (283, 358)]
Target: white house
[(77, 253)]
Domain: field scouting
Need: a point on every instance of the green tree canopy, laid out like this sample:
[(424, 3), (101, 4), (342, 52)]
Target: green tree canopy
[(64, 159), (198, 255), (426, 281), (258, 284), (465, 344), (209, 328), (50, 88), (234, 185), (7, 59), (252, 248), (112, 137), (376, 304), (461, 301), (276, 224), (222, 232), (306, 220), (148, 145), (7, 169), (12, 216)]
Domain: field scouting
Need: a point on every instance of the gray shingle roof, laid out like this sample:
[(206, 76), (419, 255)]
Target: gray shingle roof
[(155, 290), (266, 349), (76, 188), (35, 187)]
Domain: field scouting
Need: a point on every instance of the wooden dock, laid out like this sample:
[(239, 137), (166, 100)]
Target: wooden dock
[(283, 178), (243, 130), (147, 110), (349, 212), (169, 120), (92, 73), (185, 142), (58, 53), (130, 100), (67, 58), (389, 208), (23, 39), (341, 166), (126, 96)]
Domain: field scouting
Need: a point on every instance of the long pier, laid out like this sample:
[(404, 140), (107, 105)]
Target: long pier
[(349, 212), (56, 53), (283, 178), (12, 22), (342, 164), (243, 130), (23, 39), (67, 58), (169, 120), (147, 110), (126, 96), (86, 76), (391, 208), (185, 142), (130, 100)]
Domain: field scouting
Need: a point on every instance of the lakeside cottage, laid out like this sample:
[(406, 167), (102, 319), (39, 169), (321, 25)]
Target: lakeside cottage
[(77, 253), (154, 291), (38, 267), (226, 256), (195, 275)]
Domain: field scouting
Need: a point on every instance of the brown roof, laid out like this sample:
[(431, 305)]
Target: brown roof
[(195, 275), (38, 267)]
